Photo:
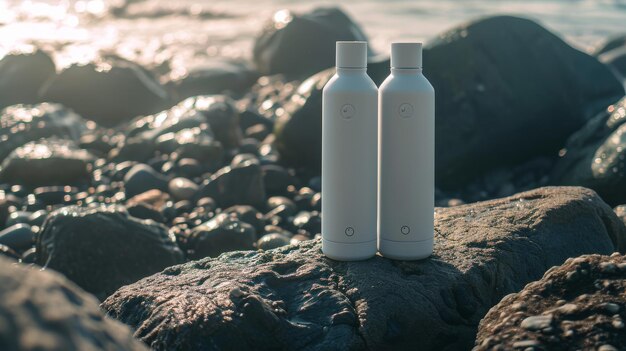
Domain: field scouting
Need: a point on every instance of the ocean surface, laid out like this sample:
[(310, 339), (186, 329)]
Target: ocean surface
[(187, 31)]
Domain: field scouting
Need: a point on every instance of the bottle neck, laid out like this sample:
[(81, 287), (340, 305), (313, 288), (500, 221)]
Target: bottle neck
[(406, 71), (350, 71)]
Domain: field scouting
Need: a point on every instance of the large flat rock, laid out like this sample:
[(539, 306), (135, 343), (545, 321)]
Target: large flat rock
[(295, 298)]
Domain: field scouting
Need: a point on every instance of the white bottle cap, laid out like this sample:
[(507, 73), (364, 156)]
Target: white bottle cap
[(406, 55), (351, 54)]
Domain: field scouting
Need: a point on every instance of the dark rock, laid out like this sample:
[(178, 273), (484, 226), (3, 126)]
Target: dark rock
[(309, 221), (44, 311), (221, 234), (577, 306), (22, 75), (616, 59), (249, 215), (595, 156), (142, 210), (299, 129), (141, 178), (7, 204), (46, 162), (273, 241), (19, 237), (294, 297), (241, 185), (54, 195), (500, 82), (29, 256), (299, 45), (281, 206), (214, 77), (20, 124), (612, 43), (103, 248), (182, 188), (8, 252), (189, 167), (18, 217), (108, 91), (222, 116), (277, 179)]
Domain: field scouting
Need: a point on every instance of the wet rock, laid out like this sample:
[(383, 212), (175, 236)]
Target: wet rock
[(19, 237), (103, 248), (490, 77), (44, 311), (182, 188), (294, 297), (299, 129), (221, 234), (46, 162), (273, 241), (593, 289), (249, 215), (142, 210), (8, 252), (108, 91), (281, 206), (141, 178), (595, 156), (21, 76), (501, 81), (7, 204), (277, 179), (20, 124), (241, 185), (299, 45), (214, 77), (221, 114)]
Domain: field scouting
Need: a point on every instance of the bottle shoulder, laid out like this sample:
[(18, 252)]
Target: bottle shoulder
[(415, 83), (350, 83)]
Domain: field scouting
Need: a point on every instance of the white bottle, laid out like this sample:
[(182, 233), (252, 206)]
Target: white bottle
[(406, 157), (349, 157)]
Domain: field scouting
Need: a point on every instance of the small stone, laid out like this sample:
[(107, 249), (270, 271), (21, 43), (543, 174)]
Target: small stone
[(607, 347), (537, 322), (272, 241), (141, 178), (221, 234), (526, 343), (610, 307), (568, 309), (182, 188), (617, 324), (19, 237)]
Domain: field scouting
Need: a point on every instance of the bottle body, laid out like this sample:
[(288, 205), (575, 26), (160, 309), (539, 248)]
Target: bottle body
[(407, 165), (349, 166)]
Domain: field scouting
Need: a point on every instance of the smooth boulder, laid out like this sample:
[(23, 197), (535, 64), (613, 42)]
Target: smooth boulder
[(108, 91), (577, 306), (47, 162), (103, 248), (43, 311), (507, 90), (21, 76), (595, 156), (20, 124), (299, 45), (293, 297), (240, 185)]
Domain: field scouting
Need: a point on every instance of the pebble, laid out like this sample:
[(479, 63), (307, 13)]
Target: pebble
[(19, 237), (182, 188), (537, 322), (272, 241), (607, 347)]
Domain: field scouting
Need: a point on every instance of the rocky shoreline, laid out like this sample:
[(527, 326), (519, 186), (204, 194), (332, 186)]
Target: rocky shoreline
[(191, 208)]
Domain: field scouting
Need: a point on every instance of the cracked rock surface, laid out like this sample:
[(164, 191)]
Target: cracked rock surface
[(577, 306), (43, 311), (295, 298)]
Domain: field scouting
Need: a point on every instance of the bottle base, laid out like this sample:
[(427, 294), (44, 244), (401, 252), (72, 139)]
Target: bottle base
[(349, 251), (406, 250)]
